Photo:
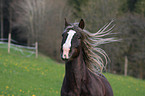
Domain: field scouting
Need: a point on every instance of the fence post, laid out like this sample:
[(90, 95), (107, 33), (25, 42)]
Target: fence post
[(36, 48), (9, 42), (125, 66)]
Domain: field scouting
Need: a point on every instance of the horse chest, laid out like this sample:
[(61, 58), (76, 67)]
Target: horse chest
[(90, 92), (91, 88)]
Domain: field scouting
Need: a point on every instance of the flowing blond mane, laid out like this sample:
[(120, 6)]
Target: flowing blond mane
[(96, 58)]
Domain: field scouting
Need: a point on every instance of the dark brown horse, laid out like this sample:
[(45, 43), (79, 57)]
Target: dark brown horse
[(82, 63)]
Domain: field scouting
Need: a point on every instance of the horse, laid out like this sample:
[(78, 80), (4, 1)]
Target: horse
[(84, 61)]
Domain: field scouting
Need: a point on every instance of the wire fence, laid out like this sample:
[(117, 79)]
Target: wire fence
[(24, 50)]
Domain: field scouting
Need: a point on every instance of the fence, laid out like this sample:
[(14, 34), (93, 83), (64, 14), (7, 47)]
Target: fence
[(14, 45)]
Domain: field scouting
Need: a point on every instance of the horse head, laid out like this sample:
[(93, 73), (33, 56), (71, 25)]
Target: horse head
[(71, 40)]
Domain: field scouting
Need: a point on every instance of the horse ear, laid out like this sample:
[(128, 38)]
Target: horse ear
[(82, 24), (66, 24)]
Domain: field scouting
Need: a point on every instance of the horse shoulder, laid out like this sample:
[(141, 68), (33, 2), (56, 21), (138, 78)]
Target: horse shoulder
[(107, 87)]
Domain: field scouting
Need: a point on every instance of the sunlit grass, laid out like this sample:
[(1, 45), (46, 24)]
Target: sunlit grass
[(23, 76), (126, 86)]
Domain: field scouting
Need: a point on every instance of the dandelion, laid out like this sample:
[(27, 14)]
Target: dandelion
[(33, 95), (7, 87), (20, 90), (42, 73), (128, 86), (56, 92)]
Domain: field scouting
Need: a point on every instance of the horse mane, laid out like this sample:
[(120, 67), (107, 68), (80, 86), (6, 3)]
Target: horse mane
[(95, 58)]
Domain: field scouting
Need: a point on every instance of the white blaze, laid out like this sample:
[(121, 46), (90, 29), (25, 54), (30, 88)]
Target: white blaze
[(67, 44)]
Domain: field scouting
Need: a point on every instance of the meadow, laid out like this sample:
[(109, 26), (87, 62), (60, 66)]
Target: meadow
[(28, 76)]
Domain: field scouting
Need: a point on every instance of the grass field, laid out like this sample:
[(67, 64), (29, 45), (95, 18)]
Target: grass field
[(23, 76)]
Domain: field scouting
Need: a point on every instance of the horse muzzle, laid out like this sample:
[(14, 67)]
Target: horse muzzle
[(65, 54)]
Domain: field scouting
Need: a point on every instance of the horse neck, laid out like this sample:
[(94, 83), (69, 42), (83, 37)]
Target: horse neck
[(76, 69)]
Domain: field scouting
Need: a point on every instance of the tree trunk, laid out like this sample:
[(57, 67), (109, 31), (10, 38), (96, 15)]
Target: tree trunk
[(1, 19)]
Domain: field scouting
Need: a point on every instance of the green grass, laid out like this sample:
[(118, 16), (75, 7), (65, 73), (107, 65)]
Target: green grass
[(126, 86), (23, 76)]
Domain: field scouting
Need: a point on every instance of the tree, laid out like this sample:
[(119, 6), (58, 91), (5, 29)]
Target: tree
[(140, 7), (31, 17), (1, 13), (42, 21), (76, 6)]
